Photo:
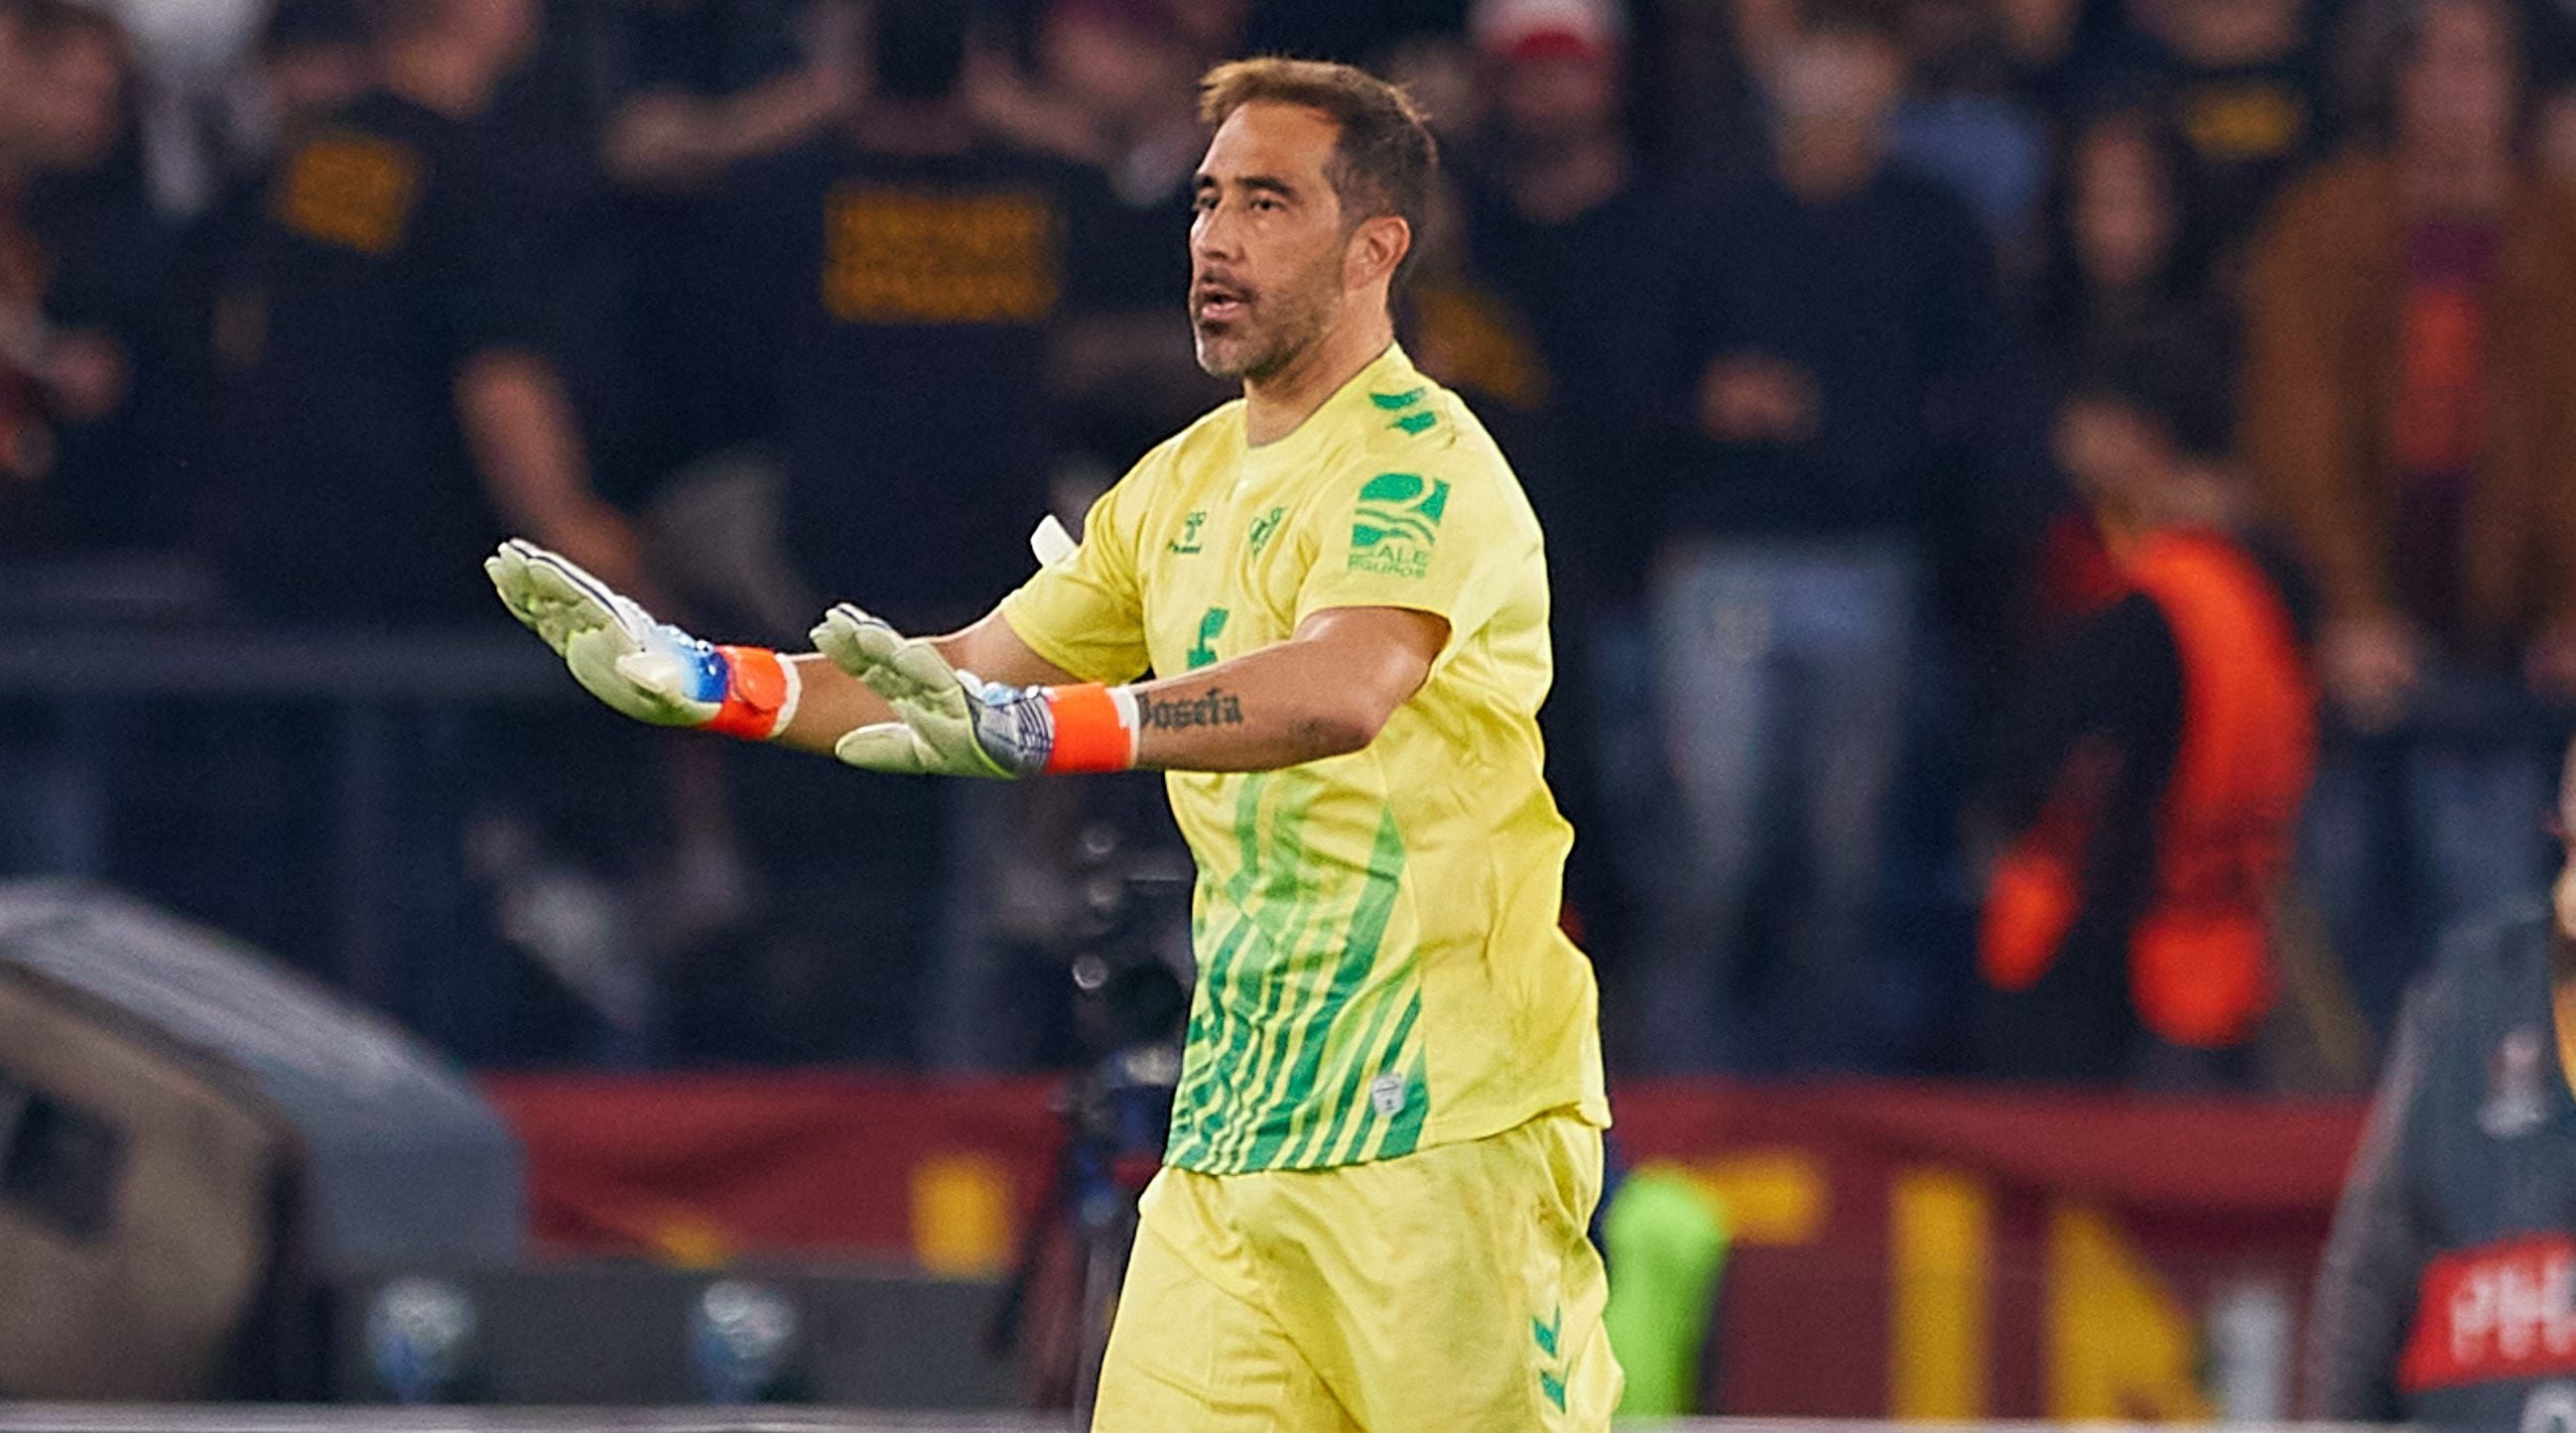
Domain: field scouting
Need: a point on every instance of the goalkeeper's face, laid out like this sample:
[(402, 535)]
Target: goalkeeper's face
[(1269, 248)]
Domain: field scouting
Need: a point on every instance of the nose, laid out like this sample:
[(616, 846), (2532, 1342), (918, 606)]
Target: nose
[(1214, 235)]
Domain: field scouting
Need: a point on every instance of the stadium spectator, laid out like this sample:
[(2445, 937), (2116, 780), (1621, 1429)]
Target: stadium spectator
[(903, 256), (701, 86), (1527, 298), (385, 329), (2411, 371), (2443, 1284), (2124, 273), (1961, 121), (2127, 260), (76, 265), (894, 287), (2149, 771), (313, 60), (1122, 363), (2243, 82), (1842, 320)]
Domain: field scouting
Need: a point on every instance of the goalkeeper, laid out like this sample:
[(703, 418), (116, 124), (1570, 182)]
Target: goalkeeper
[(1387, 1138)]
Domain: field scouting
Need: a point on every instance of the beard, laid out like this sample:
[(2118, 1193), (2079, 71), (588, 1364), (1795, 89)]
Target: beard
[(1274, 329)]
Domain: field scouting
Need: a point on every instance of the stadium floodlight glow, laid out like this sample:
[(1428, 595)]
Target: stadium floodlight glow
[(742, 1337), (420, 1336)]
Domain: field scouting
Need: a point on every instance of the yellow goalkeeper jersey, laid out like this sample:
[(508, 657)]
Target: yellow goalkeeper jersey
[(1380, 966)]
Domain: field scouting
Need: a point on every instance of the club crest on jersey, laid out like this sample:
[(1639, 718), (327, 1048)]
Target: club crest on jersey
[(1396, 524), (2517, 1084), (1386, 1095), (1266, 527)]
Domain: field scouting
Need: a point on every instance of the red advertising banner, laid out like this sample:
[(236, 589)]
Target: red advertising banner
[(1905, 1251)]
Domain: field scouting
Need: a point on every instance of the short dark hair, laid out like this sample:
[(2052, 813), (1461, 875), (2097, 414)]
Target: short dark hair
[(1384, 158)]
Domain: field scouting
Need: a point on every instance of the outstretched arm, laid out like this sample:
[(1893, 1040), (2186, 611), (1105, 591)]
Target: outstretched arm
[(1322, 693), (656, 673), (834, 703)]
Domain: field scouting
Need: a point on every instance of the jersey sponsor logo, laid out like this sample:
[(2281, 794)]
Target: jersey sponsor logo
[(1397, 523), (350, 191), (2517, 1085), (2494, 1312), (910, 255), (1188, 541)]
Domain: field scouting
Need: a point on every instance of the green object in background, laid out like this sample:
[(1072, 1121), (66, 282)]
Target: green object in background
[(1667, 1243)]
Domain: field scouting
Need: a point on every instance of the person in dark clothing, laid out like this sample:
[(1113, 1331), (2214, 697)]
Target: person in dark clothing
[(75, 259), (1842, 322), (2244, 83), (2148, 771), (1527, 299), (384, 336), (2127, 261), (896, 283), (894, 288), (2444, 1299), (1123, 71)]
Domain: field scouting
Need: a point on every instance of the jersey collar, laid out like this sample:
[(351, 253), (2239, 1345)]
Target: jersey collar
[(1390, 373)]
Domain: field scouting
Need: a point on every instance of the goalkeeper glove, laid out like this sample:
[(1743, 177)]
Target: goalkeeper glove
[(649, 670), (952, 723)]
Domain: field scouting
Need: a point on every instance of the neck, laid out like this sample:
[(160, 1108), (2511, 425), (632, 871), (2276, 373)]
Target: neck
[(914, 127), (2469, 179), (1275, 405), (1828, 161), (439, 76)]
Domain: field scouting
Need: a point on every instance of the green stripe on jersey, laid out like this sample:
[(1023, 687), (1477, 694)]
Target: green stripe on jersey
[(1265, 1058), (1335, 1035)]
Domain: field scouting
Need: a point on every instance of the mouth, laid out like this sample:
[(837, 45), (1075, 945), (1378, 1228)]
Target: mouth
[(1214, 303)]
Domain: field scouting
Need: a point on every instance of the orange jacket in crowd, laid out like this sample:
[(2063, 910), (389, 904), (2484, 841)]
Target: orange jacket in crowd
[(2200, 953)]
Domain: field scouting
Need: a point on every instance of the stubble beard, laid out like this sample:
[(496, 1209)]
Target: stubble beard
[(1260, 349)]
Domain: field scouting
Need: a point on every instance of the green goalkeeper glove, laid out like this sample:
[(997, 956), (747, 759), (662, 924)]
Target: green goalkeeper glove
[(953, 723), (648, 670)]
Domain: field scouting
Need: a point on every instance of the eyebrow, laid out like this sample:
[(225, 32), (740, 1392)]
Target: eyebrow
[(1262, 183)]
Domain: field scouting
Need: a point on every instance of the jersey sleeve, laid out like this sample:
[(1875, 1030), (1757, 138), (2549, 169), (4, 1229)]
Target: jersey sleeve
[(2375, 1256), (1086, 613), (1447, 540)]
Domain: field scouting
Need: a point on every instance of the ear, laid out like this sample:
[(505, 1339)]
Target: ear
[(1376, 247)]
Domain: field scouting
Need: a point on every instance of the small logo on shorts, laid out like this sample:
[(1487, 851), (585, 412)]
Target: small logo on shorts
[(2516, 1103), (1386, 1095), (1546, 1333)]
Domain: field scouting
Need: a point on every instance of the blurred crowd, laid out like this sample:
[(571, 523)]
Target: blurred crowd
[(2062, 512)]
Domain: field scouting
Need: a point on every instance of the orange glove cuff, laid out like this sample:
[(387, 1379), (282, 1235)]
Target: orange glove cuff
[(1095, 729), (760, 694)]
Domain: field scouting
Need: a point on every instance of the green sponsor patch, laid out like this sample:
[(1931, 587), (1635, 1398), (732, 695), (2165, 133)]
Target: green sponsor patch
[(1396, 523)]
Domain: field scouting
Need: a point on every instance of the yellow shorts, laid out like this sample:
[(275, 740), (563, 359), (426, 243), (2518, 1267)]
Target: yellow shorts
[(1448, 1291)]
